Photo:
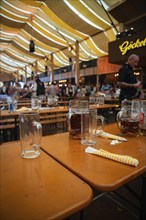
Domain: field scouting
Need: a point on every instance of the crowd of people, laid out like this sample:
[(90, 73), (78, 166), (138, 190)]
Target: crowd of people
[(126, 87), (37, 88)]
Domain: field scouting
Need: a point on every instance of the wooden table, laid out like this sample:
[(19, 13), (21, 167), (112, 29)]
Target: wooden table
[(15, 114), (44, 103), (102, 174), (42, 110), (59, 111), (112, 100), (9, 122), (38, 188), (28, 104), (56, 109), (104, 106)]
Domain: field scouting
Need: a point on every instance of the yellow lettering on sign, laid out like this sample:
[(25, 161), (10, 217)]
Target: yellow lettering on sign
[(130, 45)]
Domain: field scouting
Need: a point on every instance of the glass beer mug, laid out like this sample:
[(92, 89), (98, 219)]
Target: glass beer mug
[(76, 109), (30, 134), (129, 117), (36, 103), (52, 101), (92, 125), (142, 124)]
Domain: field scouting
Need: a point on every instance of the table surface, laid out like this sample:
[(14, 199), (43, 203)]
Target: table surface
[(104, 106), (5, 113), (56, 109), (38, 188), (101, 173), (45, 103)]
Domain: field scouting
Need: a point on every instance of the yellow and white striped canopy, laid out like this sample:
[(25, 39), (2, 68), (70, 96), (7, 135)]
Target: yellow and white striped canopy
[(54, 26)]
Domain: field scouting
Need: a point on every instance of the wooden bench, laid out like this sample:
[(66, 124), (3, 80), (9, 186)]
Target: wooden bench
[(8, 128), (53, 119)]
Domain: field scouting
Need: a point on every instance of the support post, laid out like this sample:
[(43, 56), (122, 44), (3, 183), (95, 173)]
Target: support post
[(77, 69), (52, 66)]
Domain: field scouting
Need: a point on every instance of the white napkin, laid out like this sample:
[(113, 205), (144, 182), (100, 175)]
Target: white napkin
[(112, 136), (22, 109), (117, 157)]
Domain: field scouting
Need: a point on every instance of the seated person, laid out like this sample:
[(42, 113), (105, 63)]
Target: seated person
[(106, 88)]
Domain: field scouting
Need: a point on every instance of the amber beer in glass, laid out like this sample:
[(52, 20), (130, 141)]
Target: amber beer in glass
[(76, 109)]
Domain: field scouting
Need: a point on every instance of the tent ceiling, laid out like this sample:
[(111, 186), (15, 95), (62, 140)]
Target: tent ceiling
[(54, 25)]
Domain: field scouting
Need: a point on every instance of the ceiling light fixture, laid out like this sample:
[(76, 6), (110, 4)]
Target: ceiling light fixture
[(46, 70), (31, 44), (125, 33)]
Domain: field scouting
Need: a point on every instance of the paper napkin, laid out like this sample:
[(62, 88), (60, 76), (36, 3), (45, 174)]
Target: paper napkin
[(22, 109), (112, 136), (117, 157)]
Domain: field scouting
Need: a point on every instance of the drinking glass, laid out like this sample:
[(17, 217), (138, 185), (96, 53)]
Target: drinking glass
[(14, 102), (36, 103), (142, 123), (30, 134), (76, 109), (129, 117), (91, 126), (52, 101)]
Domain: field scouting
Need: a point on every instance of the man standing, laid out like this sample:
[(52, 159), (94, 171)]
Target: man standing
[(40, 87), (127, 80)]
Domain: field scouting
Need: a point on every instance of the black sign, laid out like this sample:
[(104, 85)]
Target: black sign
[(119, 50)]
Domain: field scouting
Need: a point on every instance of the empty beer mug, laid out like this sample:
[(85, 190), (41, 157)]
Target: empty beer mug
[(30, 134), (36, 103), (91, 126)]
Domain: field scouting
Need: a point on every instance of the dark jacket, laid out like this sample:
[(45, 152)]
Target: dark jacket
[(40, 88), (126, 75)]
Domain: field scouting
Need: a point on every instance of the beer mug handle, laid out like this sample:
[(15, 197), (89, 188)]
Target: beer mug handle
[(68, 118), (99, 131), (119, 119), (38, 129)]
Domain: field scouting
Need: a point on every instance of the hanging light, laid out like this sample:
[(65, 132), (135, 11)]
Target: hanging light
[(46, 70), (31, 44)]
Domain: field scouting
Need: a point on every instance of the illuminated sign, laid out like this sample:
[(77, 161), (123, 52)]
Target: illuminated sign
[(130, 45), (120, 50)]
